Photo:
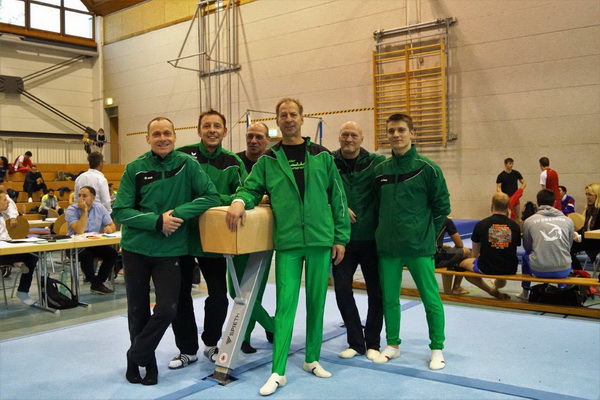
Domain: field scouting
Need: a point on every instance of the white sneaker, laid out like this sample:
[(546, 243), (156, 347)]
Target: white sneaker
[(30, 200), (316, 369), (387, 354), (524, 295), (437, 360), (25, 298), (275, 381), (373, 354), (348, 353)]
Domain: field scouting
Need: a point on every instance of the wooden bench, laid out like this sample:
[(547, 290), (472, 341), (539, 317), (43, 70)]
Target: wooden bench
[(487, 300)]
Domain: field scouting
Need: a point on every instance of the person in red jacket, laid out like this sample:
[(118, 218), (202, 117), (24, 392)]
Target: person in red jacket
[(549, 180), (23, 163)]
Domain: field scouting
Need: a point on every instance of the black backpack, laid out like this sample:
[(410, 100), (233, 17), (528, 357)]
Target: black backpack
[(55, 298), (550, 294)]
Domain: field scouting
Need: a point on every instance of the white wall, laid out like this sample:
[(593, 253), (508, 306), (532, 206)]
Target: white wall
[(69, 89), (524, 79)]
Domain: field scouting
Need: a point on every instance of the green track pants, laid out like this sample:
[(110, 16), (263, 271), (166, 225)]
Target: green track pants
[(422, 271), (259, 314), (288, 275)]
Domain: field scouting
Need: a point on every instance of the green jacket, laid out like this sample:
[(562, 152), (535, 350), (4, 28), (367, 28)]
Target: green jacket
[(413, 204), (226, 171), (149, 187), (321, 219), (360, 191)]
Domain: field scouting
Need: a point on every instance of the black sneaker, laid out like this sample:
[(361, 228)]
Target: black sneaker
[(101, 289), (247, 348)]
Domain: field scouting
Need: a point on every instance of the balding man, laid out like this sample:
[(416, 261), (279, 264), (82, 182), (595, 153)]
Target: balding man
[(495, 241), (257, 139), (356, 167)]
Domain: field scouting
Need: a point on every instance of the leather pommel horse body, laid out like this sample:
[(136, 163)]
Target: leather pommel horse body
[(255, 237)]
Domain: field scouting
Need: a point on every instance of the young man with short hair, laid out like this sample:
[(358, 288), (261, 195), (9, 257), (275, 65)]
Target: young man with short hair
[(508, 182), (413, 202)]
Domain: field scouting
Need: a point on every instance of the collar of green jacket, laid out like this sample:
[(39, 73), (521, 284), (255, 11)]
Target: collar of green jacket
[(158, 159), (361, 154), (278, 145), (409, 154), (208, 154)]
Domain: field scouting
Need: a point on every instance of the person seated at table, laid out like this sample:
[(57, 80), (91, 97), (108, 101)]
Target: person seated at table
[(495, 241), (591, 217), (85, 217), (27, 261), (49, 202), (34, 182)]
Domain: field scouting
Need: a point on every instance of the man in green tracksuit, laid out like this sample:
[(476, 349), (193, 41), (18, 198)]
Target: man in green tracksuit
[(257, 139), (311, 226), (160, 195), (356, 166), (227, 172), (413, 204)]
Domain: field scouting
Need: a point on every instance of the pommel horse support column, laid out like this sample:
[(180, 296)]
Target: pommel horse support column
[(255, 237)]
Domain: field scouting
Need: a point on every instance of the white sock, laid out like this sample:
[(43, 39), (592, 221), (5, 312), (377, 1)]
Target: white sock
[(372, 354), (348, 353), (25, 298), (387, 354), (437, 360), (316, 369), (275, 381)]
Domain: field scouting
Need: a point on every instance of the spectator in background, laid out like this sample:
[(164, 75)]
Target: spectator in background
[(88, 216), (4, 168), (87, 142), (549, 180), (495, 242), (95, 178), (34, 182), (49, 202), (112, 192), (23, 162), (591, 222), (508, 182), (567, 202), (450, 257), (100, 139), (26, 261), (547, 238)]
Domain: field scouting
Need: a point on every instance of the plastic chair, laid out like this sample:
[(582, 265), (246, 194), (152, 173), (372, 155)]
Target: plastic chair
[(60, 225), (21, 230), (578, 220)]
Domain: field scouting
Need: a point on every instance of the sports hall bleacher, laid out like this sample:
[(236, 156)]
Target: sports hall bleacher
[(51, 174)]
